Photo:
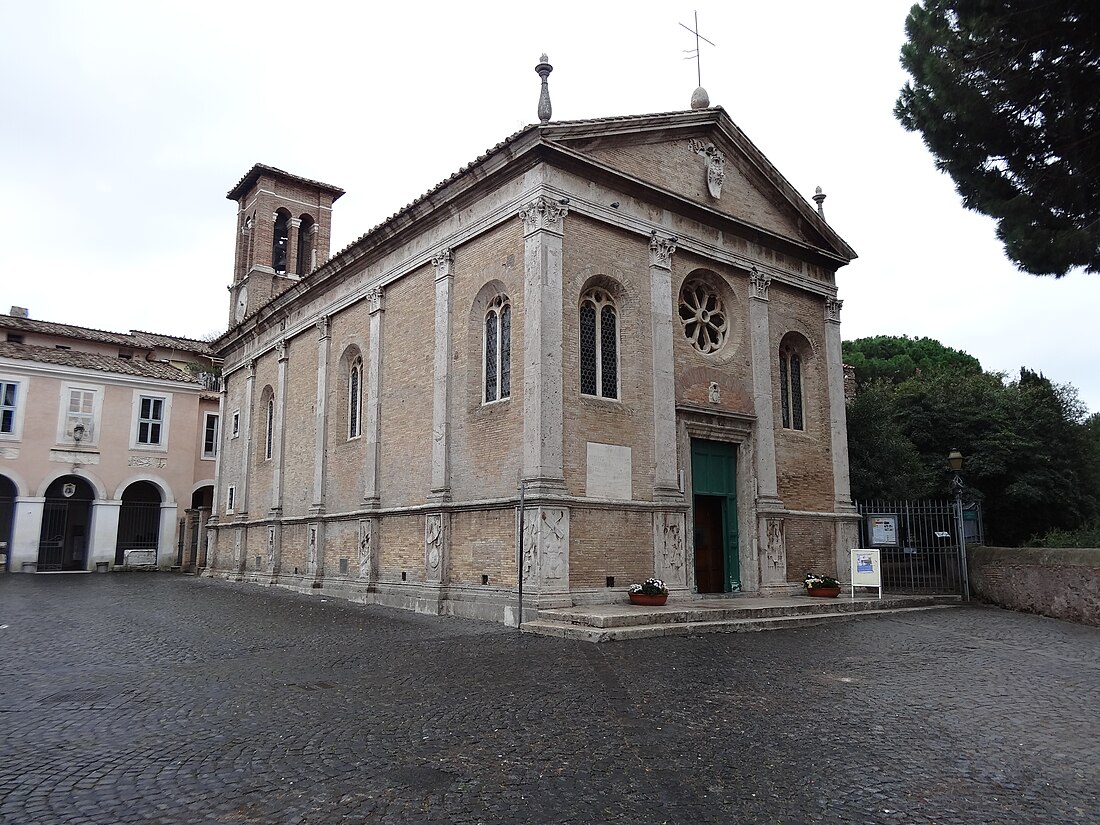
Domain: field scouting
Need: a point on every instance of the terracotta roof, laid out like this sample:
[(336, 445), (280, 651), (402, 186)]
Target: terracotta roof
[(261, 169), (155, 339), (95, 361), (135, 338), (67, 330)]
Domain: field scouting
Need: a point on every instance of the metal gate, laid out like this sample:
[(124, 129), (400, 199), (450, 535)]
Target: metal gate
[(919, 542), (51, 542), (138, 528)]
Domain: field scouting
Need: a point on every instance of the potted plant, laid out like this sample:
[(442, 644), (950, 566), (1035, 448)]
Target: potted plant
[(822, 586), (652, 593)]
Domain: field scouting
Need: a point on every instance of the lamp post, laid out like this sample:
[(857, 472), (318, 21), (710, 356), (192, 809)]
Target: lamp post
[(955, 463)]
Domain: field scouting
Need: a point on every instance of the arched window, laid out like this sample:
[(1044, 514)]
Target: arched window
[(599, 345), (280, 241), (790, 388), (304, 262), (269, 434), (355, 398), (498, 349)]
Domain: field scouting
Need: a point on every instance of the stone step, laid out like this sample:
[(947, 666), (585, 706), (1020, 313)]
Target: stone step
[(748, 608), (585, 633)]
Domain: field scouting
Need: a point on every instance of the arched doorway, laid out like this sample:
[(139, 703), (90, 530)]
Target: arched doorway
[(138, 524), (66, 520), (7, 520), (194, 548)]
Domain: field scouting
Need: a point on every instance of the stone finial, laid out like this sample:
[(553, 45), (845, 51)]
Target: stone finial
[(700, 99), (819, 199), (544, 69)]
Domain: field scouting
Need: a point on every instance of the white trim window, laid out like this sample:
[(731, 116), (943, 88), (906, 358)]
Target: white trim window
[(210, 432), (355, 399), (497, 359), (81, 405), (230, 498), (150, 423), (10, 418), (599, 326), (236, 429)]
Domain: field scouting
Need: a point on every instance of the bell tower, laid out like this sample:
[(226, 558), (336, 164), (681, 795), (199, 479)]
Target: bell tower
[(284, 226)]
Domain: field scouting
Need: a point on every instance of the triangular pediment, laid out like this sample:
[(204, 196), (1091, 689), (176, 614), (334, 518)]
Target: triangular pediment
[(702, 157)]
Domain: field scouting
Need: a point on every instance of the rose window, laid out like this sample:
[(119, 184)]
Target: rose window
[(703, 316)]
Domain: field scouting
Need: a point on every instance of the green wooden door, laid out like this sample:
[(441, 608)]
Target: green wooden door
[(713, 487)]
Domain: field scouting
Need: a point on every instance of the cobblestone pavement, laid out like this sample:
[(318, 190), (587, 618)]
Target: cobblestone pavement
[(164, 699)]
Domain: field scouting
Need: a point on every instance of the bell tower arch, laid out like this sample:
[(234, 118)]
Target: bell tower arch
[(284, 228)]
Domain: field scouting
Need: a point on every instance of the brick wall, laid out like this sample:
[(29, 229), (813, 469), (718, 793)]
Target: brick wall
[(595, 255), (609, 543), (1063, 583), (350, 337), (809, 543), (408, 368), (299, 445), (484, 543), (486, 439)]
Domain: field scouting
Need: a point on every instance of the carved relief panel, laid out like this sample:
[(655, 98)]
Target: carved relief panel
[(435, 547), (668, 548)]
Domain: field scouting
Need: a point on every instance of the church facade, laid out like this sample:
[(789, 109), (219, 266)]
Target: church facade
[(621, 333)]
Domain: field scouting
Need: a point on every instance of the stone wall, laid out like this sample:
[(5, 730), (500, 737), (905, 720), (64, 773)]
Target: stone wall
[(1063, 583)]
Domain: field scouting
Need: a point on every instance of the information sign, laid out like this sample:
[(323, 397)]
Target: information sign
[(883, 529), (866, 570)]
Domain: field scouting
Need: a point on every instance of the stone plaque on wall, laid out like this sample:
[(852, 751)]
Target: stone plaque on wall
[(608, 472)]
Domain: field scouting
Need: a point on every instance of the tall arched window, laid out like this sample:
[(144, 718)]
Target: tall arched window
[(355, 396), (599, 345), (498, 349), (280, 241), (790, 388), (269, 432)]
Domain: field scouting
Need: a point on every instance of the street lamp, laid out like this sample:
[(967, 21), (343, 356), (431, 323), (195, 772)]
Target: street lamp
[(955, 463)]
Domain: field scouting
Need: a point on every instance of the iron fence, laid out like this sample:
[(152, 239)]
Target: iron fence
[(918, 542)]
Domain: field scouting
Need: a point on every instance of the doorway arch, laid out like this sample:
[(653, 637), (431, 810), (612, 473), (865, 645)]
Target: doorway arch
[(8, 492), (139, 523), (66, 522)]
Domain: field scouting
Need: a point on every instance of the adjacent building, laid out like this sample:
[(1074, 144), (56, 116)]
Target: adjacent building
[(108, 446)]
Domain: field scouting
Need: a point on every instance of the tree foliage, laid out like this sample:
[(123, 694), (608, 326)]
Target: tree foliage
[(1005, 95), (1031, 456), (895, 358)]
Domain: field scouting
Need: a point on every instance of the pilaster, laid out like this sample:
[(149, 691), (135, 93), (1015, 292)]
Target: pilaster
[(437, 536), (373, 419), (320, 415), (543, 420), (240, 506), (367, 571), (294, 226), (838, 417), (441, 385), (665, 480), (27, 518), (546, 555), (278, 441), (760, 336)]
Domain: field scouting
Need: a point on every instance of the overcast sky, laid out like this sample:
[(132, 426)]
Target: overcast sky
[(125, 123)]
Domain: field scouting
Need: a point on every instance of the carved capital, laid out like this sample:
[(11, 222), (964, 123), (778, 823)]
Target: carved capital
[(280, 349), (832, 309), (251, 368), (716, 163), (759, 283), (323, 328), (374, 297), (443, 263), (660, 251), (543, 214)]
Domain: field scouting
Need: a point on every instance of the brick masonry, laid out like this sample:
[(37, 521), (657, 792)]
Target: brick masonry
[(1063, 583)]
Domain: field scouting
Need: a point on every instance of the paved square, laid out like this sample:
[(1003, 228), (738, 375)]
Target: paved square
[(163, 699)]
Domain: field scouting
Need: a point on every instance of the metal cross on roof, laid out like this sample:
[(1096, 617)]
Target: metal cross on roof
[(693, 54)]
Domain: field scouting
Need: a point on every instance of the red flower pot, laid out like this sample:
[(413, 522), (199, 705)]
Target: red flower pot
[(823, 592), (646, 600)]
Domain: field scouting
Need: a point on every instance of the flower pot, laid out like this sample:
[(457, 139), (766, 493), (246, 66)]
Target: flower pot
[(646, 600), (823, 592)]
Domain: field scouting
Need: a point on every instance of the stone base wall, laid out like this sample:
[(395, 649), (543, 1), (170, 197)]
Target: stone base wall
[(1063, 583)]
